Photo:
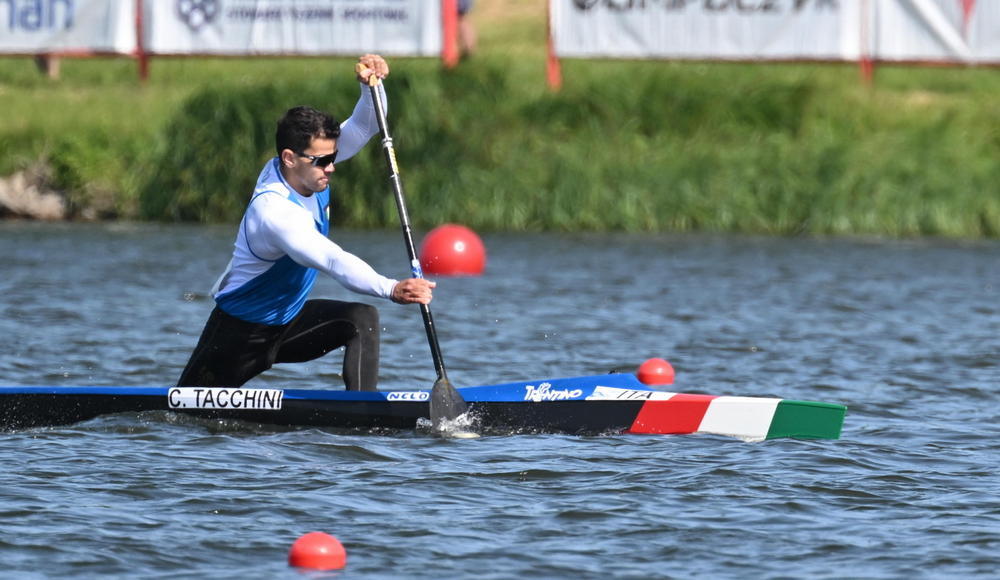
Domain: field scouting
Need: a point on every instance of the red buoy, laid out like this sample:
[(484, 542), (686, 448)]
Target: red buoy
[(317, 551), (452, 250), (656, 371)]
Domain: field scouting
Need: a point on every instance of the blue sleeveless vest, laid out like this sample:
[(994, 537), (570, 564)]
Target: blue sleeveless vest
[(276, 296)]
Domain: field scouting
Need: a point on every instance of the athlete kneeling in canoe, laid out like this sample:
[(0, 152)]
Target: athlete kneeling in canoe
[(261, 315)]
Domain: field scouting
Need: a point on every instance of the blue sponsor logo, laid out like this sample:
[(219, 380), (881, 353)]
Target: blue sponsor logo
[(545, 392), (197, 13), (408, 396), (38, 15)]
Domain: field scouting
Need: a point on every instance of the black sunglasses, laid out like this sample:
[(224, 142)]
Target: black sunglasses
[(320, 160)]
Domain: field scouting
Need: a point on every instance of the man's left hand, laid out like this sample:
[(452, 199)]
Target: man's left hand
[(413, 290)]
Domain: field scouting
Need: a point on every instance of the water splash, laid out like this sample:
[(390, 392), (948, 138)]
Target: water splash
[(465, 426)]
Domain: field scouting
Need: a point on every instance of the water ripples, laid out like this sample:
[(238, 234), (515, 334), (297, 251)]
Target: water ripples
[(905, 333)]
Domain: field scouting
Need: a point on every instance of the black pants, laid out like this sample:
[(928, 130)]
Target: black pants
[(231, 351)]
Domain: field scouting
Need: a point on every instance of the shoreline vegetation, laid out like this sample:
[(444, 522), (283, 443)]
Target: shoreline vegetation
[(782, 149)]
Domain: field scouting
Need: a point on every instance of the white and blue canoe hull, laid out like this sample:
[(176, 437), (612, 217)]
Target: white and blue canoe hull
[(613, 403)]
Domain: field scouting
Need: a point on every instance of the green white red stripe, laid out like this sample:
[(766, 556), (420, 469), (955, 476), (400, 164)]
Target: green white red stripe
[(749, 418)]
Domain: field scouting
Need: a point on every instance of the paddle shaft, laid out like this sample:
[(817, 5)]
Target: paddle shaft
[(404, 222)]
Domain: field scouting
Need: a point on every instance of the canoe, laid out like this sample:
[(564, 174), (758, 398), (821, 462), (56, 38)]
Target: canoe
[(612, 403)]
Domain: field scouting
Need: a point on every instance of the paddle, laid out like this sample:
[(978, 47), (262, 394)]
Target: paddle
[(446, 403)]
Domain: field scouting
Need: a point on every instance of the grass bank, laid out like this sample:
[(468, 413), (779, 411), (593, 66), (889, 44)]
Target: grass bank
[(641, 146)]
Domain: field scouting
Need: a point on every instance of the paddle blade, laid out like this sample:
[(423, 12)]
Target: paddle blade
[(446, 403)]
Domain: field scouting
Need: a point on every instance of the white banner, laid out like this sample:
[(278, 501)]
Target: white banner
[(984, 30), (962, 31), (705, 29), (936, 30), (75, 26), (307, 27)]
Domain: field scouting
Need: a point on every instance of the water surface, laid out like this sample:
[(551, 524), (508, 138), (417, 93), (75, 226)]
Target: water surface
[(903, 332)]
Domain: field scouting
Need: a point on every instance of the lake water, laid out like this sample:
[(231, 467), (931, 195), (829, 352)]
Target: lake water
[(905, 333)]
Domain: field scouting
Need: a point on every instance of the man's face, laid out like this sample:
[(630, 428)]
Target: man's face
[(309, 171)]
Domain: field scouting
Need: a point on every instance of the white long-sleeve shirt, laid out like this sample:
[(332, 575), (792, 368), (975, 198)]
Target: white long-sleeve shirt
[(260, 285)]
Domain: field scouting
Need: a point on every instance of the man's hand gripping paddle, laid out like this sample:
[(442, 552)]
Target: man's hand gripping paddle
[(446, 403)]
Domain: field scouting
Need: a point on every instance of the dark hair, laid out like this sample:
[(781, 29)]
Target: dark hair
[(301, 125)]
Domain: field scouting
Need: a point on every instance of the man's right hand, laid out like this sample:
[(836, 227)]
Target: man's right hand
[(371, 64), (413, 291)]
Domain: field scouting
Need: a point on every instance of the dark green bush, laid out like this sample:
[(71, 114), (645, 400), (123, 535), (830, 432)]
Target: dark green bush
[(639, 146)]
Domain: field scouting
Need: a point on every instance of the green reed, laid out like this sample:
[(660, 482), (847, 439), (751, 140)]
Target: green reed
[(633, 146)]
